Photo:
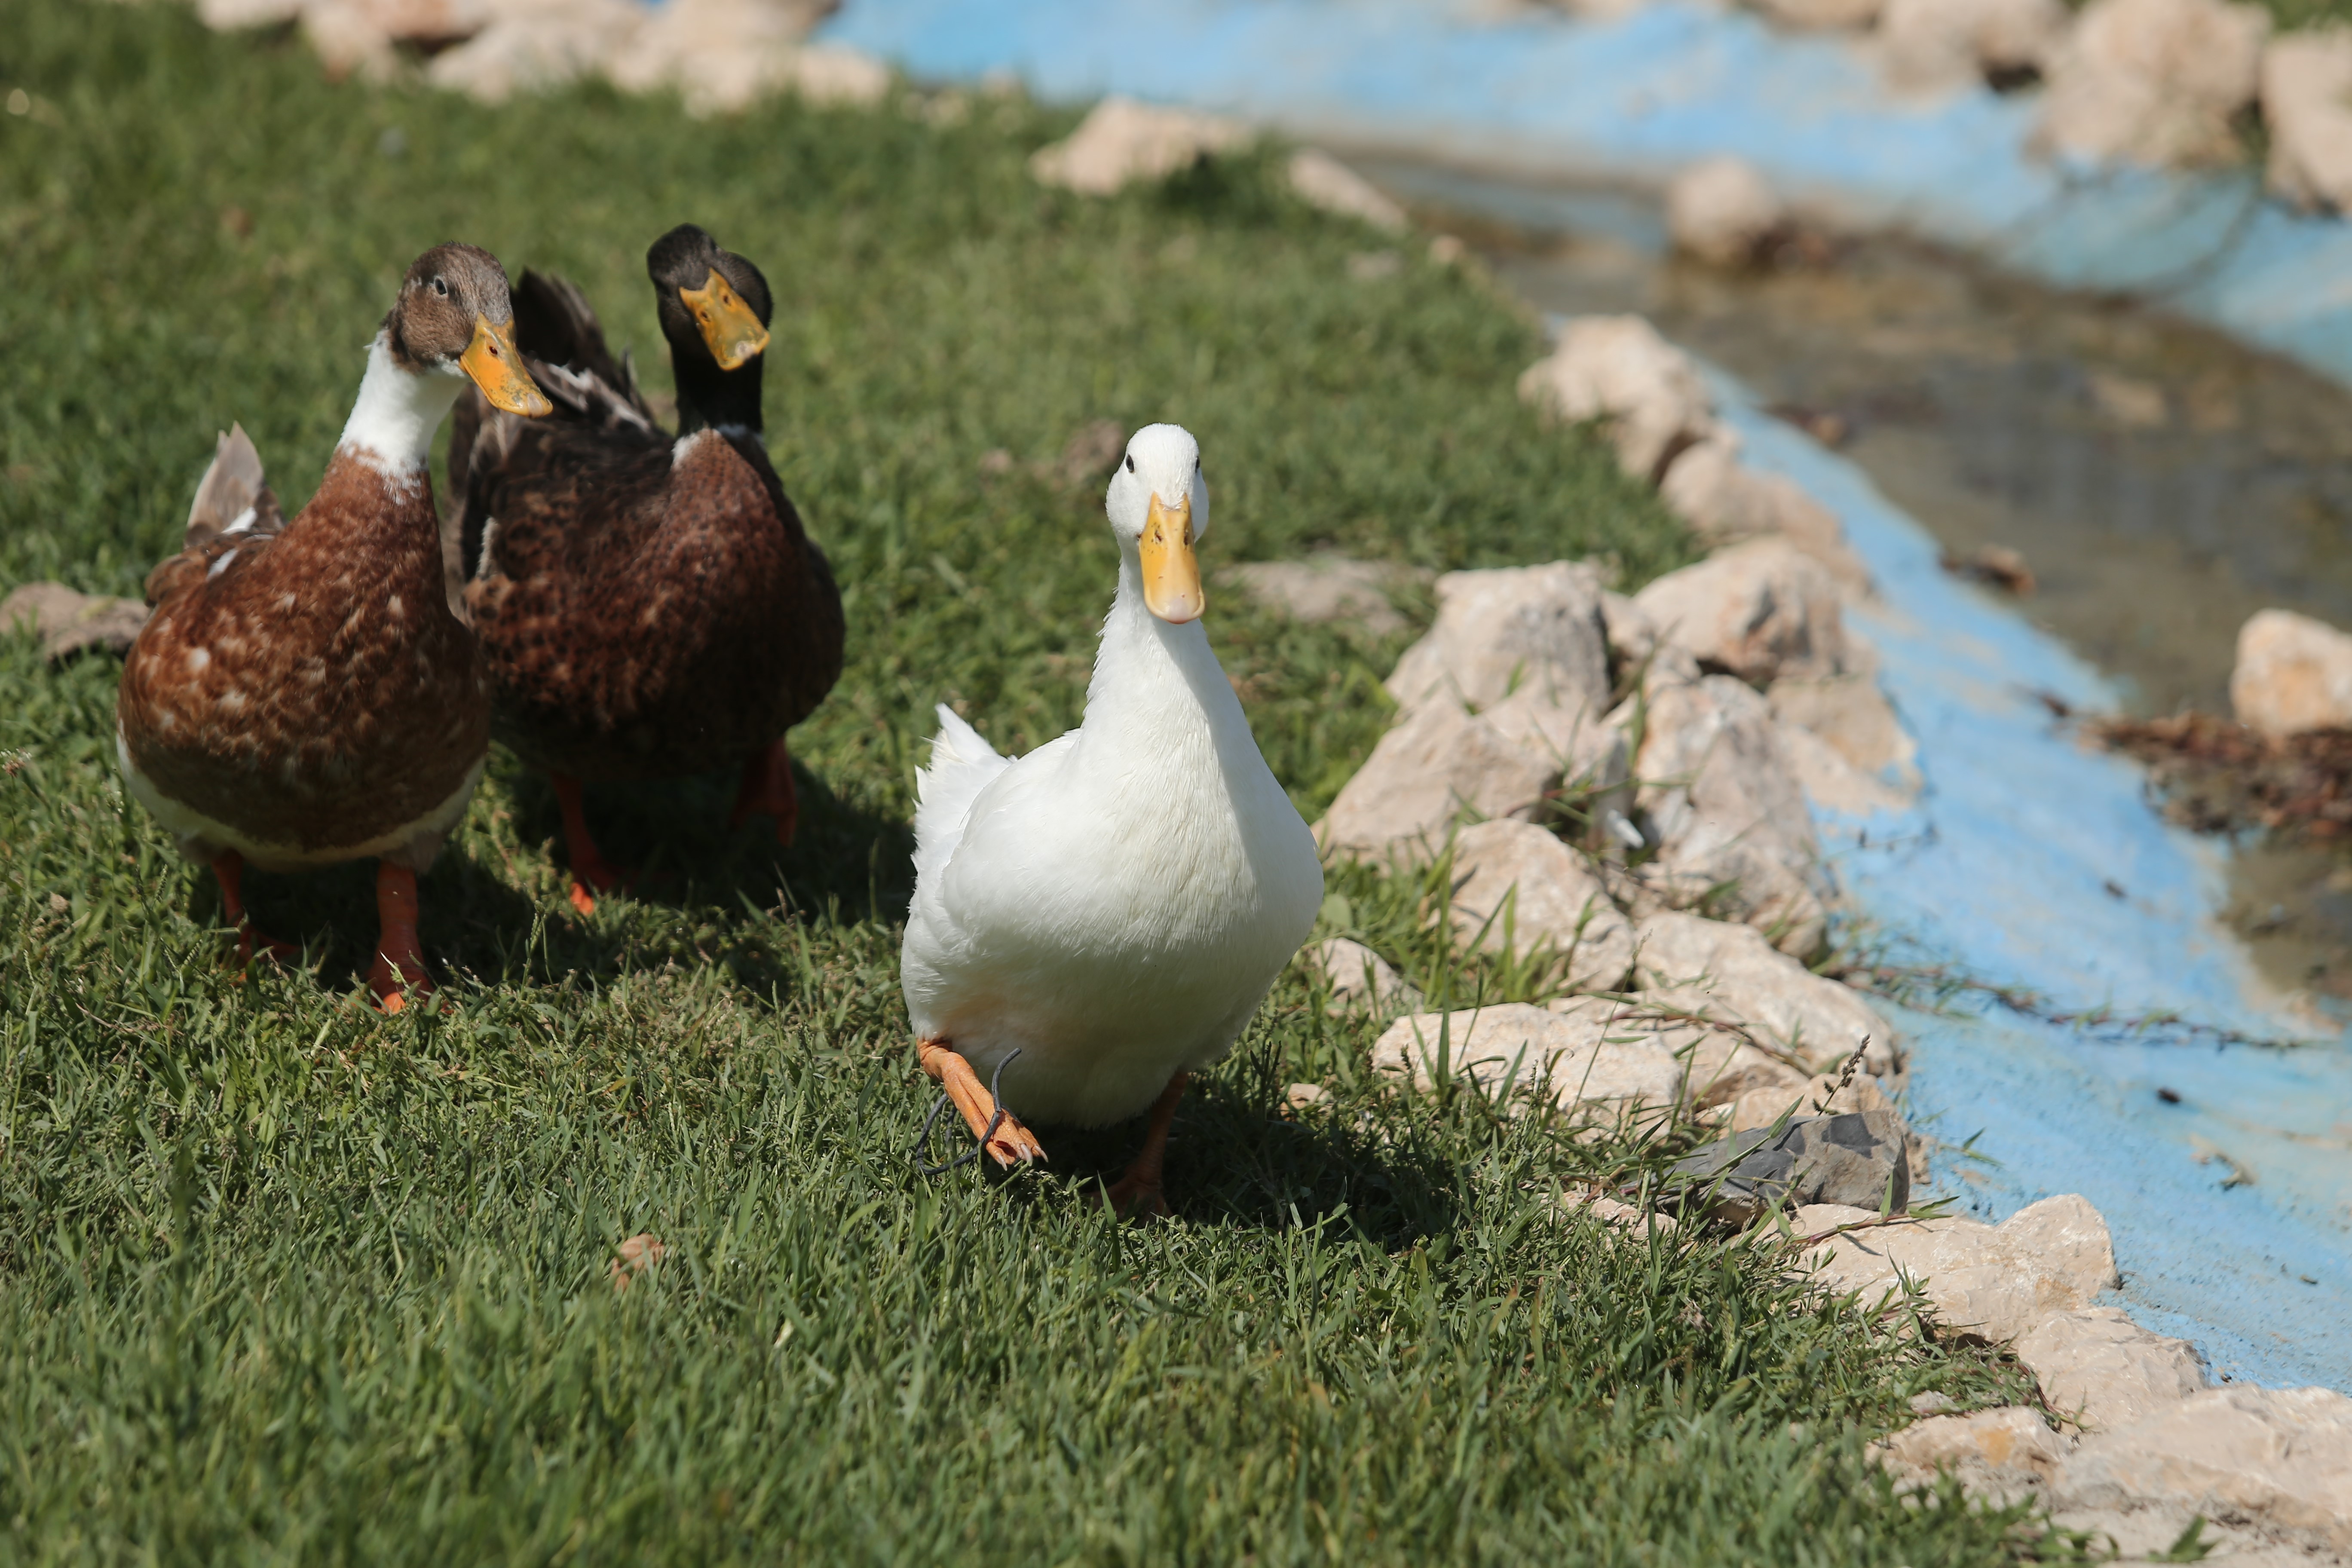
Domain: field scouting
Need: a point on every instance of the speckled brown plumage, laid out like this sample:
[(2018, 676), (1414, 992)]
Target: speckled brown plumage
[(647, 608), (315, 692)]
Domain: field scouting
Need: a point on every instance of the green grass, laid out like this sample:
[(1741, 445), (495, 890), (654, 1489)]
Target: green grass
[(283, 1279)]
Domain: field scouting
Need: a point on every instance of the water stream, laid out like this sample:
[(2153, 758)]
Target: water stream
[(2162, 482)]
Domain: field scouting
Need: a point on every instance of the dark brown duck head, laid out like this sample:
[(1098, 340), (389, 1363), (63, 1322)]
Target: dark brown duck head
[(714, 307), (453, 320)]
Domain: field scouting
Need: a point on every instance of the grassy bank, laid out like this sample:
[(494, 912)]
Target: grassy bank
[(283, 1279)]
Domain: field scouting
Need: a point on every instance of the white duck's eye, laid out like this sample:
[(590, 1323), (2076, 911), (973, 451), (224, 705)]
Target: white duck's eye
[(1130, 462)]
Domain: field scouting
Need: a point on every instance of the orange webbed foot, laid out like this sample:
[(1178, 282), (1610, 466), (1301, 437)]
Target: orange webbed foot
[(999, 1132), (1137, 1194), (591, 872), (228, 870)]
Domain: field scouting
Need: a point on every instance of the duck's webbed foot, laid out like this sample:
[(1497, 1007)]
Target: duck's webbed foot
[(768, 791), (1137, 1192), (591, 873), (398, 975), (1008, 1142), (228, 870)]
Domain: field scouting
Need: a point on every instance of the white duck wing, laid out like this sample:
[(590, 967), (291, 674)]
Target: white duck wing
[(962, 763)]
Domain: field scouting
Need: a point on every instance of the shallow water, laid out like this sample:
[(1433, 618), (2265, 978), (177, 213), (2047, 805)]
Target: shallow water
[(2162, 482)]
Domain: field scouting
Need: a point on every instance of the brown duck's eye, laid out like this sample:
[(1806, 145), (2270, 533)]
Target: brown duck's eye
[(441, 288)]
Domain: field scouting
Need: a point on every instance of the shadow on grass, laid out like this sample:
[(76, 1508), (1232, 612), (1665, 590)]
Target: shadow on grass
[(479, 923)]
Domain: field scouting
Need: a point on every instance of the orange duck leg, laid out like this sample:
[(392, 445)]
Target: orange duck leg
[(591, 872), (228, 871), (399, 958), (768, 791)]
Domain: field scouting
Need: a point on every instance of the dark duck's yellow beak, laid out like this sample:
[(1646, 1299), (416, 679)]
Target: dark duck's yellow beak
[(496, 365), (728, 327)]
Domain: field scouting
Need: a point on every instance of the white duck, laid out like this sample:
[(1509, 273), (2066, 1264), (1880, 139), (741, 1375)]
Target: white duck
[(1115, 905)]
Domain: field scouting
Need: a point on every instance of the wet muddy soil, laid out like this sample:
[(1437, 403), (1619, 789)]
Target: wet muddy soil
[(2161, 483)]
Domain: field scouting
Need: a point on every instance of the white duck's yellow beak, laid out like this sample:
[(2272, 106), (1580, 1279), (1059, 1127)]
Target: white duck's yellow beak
[(1172, 577)]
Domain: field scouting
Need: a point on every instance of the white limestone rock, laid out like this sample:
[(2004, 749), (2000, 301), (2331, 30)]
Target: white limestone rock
[(1711, 487), (1519, 888), (1850, 15), (1646, 392), (722, 56), (228, 15), (1744, 980), (1324, 588), (2306, 91), (1759, 611), (2277, 1459), (1726, 811), (1934, 44), (1359, 977), (1502, 631), (1423, 776), (1834, 783), (532, 48), (1723, 211), (1996, 1282), (1324, 182), (1816, 1096), (2154, 81), (2105, 1372), (1121, 141), (1514, 1053), (2001, 1455), (2292, 674), (1850, 715)]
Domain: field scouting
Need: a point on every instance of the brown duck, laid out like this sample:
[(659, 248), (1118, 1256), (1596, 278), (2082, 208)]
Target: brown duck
[(648, 606), (302, 695)]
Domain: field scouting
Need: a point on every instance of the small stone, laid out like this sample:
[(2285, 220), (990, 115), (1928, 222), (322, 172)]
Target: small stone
[(1711, 487), (1619, 1216), (2306, 88), (1727, 814), (1933, 1404), (2292, 674), (1996, 1282), (534, 48), (2134, 404), (1517, 888), (68, 623), (1121, 141), (2104, 1372), (1357, 976), (1723, 211), (1808, 1097), (1834, 783), (2154, 81), (1616, 368), (1858, 1159), (1935, 43), (1324, 588), (1423, 776), (2002, 1455), (2278, 1458), (634, 1258), (1300, 1098), (828, 76), (1322, 181), (1501, 631), (226, 16), (1848, 15), (1758, 610), (1514, 1052)]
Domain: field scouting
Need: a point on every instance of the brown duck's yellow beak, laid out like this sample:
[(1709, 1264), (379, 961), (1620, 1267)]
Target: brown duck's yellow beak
[(1172, 577), (496, 365), (728, 325)]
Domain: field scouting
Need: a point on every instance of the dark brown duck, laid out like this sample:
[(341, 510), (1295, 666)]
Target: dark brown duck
[(648, 606)]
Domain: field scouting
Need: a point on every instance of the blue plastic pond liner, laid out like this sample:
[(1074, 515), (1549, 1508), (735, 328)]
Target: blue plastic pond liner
[(2003, 870), (1641, 97)]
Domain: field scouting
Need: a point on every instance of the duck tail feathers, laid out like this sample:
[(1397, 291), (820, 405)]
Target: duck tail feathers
[(555, 327), (232, 496), (961, 764)]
